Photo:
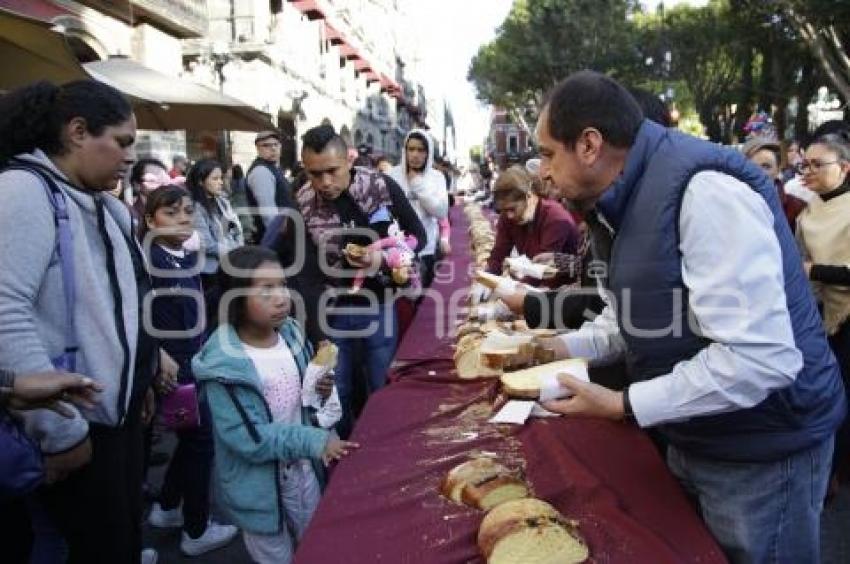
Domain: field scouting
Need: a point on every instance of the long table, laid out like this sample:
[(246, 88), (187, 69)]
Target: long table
[(382, 503)]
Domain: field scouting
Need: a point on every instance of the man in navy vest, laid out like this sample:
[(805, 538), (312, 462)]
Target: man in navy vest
[(708, 305), (267, 188)]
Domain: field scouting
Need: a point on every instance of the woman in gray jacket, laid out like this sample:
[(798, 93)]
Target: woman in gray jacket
[(71, 286)]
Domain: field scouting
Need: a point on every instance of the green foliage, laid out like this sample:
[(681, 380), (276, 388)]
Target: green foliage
[(726, 59), (543, 41)]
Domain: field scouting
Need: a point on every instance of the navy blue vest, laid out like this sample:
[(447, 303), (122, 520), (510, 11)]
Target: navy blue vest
[(645, 277), (282, 196)]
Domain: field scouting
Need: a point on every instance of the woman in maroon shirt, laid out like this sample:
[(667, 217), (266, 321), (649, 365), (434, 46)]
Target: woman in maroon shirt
[(530, 223)]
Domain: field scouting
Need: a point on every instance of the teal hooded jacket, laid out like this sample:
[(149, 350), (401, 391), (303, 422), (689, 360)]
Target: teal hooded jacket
[(249, 447)]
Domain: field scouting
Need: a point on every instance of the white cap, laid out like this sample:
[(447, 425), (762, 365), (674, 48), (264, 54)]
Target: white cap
[(533, 166)]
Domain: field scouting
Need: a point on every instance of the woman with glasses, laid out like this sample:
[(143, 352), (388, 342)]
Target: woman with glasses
[(824, 234)]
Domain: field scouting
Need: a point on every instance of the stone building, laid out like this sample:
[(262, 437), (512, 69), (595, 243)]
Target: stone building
[(303, 62)]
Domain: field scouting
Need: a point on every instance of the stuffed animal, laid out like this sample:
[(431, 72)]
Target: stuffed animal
[(399, 256)]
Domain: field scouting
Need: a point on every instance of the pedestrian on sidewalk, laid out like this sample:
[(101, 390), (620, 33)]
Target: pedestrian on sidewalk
[(72, 283), (177, 309)]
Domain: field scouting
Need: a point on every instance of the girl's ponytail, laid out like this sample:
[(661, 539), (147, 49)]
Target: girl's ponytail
[(32, 117), (28, 120)]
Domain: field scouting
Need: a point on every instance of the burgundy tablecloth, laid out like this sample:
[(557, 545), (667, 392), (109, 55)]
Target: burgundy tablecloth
[(431, 333), (383, 505)]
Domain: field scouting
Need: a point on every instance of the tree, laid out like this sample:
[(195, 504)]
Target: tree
[(824, 26), (543, 41)]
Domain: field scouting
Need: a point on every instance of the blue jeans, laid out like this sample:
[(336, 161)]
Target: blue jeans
[(760, 512), (376, 333)]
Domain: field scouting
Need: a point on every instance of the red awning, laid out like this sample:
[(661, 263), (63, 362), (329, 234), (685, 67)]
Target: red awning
[(389, 84), (348, 52), (332, 35), (362, 65), (36, 9), (310, 8)]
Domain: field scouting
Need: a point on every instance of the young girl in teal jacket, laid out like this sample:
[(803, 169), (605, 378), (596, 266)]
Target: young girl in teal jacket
[(251, 371)]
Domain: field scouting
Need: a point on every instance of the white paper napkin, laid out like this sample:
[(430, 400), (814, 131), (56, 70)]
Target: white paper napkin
[(514, 411)]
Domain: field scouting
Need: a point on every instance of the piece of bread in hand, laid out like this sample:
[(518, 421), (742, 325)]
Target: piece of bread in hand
[(355, 251), (526, 383), (530, 531), (326, 355)]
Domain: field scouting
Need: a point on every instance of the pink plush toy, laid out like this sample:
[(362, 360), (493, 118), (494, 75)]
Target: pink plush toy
[(398, 254)]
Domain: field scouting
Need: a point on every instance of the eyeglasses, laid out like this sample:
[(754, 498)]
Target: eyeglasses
[(815, 166), (270, 145)]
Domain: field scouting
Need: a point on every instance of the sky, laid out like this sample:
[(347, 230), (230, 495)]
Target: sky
[(452, 31)]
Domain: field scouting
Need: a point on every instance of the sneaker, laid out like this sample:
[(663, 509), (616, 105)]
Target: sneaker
[(165, 519), (149, 556), (214, 537)]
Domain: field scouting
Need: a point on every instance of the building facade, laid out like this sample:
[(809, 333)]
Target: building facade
[(303, 62), (507, 142)]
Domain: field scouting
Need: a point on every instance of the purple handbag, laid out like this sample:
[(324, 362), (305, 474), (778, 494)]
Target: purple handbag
[(21, 466), (179, 409)]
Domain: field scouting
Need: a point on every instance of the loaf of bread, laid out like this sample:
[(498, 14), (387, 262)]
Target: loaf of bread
[(482, 483), (467, 358), (489, 492), (530, 531), (526, 383), (326, 355)]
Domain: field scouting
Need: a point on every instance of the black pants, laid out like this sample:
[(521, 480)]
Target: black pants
[(98, 508), (426, 269), (840, 344), (188, 476)]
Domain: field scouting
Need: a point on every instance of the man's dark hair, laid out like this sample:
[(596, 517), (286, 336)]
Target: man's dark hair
[(319, 138), (590, 99), (653, 108)]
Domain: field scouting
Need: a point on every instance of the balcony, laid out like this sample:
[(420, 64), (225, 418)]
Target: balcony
[(182, 18)]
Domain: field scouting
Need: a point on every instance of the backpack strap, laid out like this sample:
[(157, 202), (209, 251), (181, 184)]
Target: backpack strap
[(249, 425), (65, 251)]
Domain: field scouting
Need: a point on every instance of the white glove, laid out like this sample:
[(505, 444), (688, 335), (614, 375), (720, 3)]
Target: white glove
[(506, 287), (522, 267), (497, 311), (479, 293)]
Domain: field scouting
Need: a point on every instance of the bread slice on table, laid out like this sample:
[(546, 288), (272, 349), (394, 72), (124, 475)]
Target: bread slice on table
[(530, 531), (526, 383), (482, 483), (494, 490)]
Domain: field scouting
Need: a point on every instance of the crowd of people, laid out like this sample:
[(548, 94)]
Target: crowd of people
[(206, 298), (179, 297)]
